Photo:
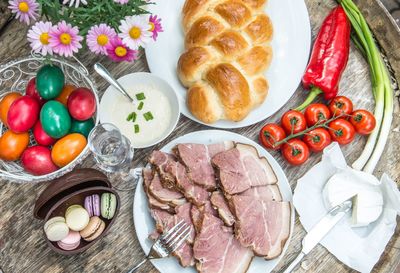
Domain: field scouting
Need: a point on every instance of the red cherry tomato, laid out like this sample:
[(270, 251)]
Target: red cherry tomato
[(317, 139), (317, 113), (295, 152), (270, 134), (363, 121), (293, 121), (340, 105), (23, 114), (81, 104), (37, 160), (342, 131), (32, 92), (41, 137)]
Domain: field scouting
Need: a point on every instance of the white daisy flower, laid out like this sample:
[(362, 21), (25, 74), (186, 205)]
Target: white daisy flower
[(135, 31), (76, 2), (38, 36)]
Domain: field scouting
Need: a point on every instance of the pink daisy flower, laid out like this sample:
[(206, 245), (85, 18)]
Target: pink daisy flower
[(98, 38), (155, 26), (64, 39), (38, 36), (119, 52), (121, 1), (24, 9)]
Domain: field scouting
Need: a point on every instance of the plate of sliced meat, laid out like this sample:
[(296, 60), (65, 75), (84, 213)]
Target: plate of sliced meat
[(232, 193)]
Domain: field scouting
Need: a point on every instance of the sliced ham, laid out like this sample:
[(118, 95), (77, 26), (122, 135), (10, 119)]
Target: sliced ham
[(194, 193), (153, 202), (197, 214), (169, 196), (221, 205), (165, 221), (183, 212), (160, 160), (241, 168), (261, 225), (268, 193), (217, 250), (197, 160)]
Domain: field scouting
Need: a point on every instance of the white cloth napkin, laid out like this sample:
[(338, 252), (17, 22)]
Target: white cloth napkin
[(358, 248)]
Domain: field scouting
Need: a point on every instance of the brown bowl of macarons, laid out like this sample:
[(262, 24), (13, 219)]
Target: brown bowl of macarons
[(78, 210)]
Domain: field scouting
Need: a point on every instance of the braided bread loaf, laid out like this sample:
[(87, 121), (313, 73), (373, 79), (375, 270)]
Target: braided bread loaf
[(227, 52)]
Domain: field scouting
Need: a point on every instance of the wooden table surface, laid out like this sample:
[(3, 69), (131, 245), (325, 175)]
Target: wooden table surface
[(23, 248)]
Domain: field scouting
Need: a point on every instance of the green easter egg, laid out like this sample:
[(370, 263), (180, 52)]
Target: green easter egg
[(82, 127), (50, 81), (55, 119)]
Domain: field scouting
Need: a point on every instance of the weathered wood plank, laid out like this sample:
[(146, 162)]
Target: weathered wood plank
[(5, 13), (21, 234)]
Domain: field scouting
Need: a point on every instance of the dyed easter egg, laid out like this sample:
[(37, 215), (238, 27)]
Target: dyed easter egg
[(50, 81), (55, 120), (23, 114), (82, 127), (67, 149)]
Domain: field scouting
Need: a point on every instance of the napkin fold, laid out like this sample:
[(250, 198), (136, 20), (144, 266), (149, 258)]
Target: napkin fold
[(359, 248)]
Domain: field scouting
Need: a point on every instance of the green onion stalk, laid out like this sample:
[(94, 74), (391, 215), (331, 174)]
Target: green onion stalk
[(381, 88)]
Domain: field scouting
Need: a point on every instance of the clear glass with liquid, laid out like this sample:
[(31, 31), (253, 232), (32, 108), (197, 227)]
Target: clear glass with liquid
[(112, 151)]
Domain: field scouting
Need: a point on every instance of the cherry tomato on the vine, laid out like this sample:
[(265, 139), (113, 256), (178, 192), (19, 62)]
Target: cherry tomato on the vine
[(340, 105), (295, 152), (293, 121), (363, 121), (317, 113), (342, 131), (271, 134), (317, 139)]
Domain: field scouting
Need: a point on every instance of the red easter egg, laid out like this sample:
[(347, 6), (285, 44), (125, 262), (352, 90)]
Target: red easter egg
[(32, 91), (37, 160), (82, 104), (23, 114), (41, 137)]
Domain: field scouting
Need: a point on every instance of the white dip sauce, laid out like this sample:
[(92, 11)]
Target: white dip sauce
[(149, 131)]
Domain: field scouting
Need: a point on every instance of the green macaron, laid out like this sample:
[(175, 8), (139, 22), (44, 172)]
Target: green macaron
[(108, 205)]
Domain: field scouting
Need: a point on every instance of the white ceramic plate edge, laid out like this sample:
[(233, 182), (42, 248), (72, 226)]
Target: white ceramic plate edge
[(302, 33), (141, 210)]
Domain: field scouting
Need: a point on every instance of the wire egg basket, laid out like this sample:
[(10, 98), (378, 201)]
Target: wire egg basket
[(14, 77)]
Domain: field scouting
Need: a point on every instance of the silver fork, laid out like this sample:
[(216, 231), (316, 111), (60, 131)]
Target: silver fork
[(167, 243)]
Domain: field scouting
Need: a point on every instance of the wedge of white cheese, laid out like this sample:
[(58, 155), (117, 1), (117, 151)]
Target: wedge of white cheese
[(363, 188)]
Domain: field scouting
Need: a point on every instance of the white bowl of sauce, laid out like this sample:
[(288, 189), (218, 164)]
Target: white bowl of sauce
[(152, 117)]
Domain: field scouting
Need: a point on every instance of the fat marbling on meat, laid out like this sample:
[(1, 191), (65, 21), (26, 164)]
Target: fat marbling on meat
[(241, 168), (217, 250), (262, 225), (197, 160)]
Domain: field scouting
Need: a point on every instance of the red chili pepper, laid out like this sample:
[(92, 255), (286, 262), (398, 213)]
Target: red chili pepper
[(329, 57)]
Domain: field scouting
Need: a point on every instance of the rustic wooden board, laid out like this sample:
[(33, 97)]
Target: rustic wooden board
[(23, 248)]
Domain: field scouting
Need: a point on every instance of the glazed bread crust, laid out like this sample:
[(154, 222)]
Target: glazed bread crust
[(226, 54)]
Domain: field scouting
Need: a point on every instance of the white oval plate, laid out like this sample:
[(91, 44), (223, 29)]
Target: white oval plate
[(291, 47), (140, 79), (144, 224)]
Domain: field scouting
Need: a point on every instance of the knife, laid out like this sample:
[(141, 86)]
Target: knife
[(320, 230)]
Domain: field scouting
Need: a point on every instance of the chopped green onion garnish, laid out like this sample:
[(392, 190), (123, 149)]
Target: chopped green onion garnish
[(140, 96), (136, 128), (134, 116), (130, 116), (148, 116), (141, 104)]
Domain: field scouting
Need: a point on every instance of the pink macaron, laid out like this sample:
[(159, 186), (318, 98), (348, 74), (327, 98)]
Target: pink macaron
[(92, 205), (70, 242)]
